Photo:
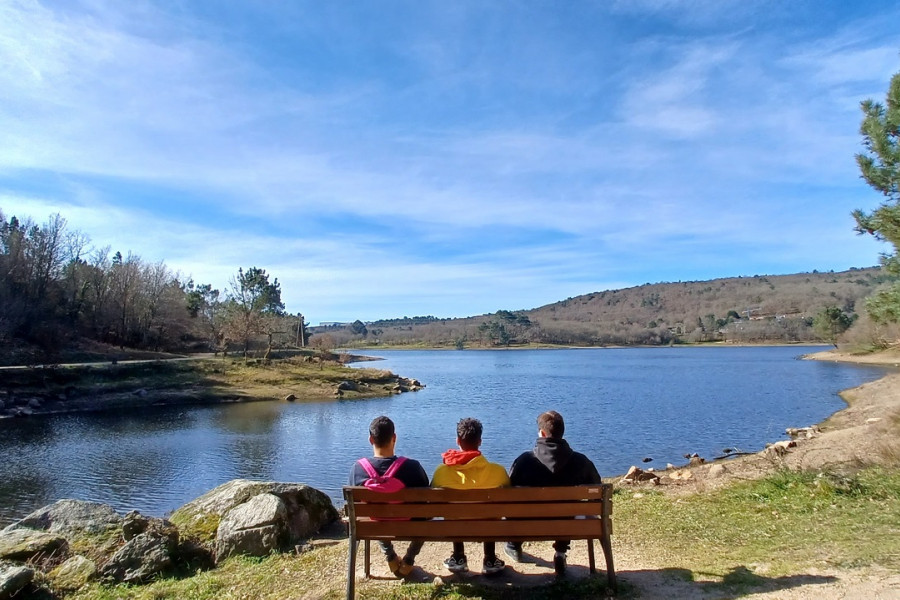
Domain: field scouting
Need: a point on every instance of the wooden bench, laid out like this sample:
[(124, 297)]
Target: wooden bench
[(517, 514)]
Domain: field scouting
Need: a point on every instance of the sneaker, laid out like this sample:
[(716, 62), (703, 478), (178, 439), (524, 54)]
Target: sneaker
[(457, 564), (514, 552), (559, 563), (491, 567)]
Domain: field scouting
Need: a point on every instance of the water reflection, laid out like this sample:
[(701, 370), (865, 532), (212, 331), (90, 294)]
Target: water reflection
[(620, 405)]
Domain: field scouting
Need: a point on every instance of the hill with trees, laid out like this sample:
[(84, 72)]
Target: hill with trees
[(757, 309), (58, 295)]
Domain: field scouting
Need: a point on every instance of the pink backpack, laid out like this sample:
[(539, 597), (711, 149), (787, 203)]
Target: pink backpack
[(386, 483)]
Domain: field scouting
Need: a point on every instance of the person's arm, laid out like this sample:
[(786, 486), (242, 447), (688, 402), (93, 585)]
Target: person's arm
[(591, 474)]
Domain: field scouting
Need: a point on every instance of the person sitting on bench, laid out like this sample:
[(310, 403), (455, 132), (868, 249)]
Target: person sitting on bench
[(552, 463), (410, 472), (467, 468)]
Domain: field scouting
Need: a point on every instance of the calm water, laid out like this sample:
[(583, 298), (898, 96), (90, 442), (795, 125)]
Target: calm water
[(620, 405)]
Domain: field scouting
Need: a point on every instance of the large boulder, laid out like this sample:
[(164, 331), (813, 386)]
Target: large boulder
[(66, 517), (13, 579), (30, 545), (307, 509), (254, 528)]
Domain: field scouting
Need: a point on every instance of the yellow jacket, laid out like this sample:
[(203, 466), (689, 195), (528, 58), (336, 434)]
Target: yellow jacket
[(477, 474)]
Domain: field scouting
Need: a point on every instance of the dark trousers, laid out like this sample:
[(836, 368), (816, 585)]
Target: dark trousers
[(559, 546), (490, 550), (410, 557)]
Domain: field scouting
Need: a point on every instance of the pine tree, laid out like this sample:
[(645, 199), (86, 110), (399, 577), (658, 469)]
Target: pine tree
[(880, 167)]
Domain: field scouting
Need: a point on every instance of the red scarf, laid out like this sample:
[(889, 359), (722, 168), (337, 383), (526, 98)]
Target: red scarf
[(459, 457)]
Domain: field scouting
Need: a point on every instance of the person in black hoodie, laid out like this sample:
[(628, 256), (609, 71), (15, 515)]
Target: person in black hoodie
[(551, 463)]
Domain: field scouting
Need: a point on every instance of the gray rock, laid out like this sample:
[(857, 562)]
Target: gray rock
[(308, 509), (134, 524), (73, 574), (255, 528), (143, 556), (30, 545), (71, 517), (13, 579)]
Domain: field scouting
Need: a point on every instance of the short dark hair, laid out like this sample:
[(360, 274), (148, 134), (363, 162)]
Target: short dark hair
[(469, 430), (552, 424), (382, 430)]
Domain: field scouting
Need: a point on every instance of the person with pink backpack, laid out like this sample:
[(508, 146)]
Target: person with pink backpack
[(386, 472)]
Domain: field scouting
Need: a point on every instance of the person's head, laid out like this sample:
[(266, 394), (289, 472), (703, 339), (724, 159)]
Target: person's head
[(550, 424), (468, 433), (381, 432)]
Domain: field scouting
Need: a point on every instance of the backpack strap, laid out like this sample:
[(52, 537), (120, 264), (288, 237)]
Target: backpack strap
[(395, 466), (368, 468)]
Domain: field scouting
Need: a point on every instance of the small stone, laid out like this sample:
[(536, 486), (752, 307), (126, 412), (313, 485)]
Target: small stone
[(290, 398), (638, 496), (872, 420)]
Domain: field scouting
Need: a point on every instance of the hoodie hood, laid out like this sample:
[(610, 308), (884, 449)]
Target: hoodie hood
[(459, 457), (553, 453)]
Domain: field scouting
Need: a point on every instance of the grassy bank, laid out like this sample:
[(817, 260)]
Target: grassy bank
[(202, 380), (744, 537)]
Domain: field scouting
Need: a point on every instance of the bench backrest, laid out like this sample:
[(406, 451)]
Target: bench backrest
[(545, 513)]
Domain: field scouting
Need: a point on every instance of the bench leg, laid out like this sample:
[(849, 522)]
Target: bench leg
[(368, 560), (351, 568), (606, 544), (591, 562)]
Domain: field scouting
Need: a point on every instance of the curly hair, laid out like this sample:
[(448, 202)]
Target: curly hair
[(469, 430)]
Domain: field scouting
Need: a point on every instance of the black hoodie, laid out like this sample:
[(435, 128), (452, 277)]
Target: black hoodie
[(552, 463)]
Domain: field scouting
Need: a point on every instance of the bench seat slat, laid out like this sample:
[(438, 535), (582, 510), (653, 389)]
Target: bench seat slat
[(479, 511), (474, 531), (512, 494)]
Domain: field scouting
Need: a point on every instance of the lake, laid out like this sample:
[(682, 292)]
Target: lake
[(620, 406)]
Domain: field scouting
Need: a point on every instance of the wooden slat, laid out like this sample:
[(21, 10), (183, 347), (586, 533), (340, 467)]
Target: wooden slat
[(476, 531), (515, 494), (479, 511)]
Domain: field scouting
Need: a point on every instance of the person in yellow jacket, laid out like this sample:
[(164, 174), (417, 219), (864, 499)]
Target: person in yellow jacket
[(468, 469)]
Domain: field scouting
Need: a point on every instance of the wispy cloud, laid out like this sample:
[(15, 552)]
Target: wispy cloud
[(480, 156)]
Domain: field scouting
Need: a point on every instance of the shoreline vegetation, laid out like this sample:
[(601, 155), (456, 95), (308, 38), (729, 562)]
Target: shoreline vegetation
[(819, 518), (200, 379)]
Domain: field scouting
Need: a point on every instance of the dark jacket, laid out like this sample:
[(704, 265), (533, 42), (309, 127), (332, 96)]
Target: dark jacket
[(552, 463), (410, 473)]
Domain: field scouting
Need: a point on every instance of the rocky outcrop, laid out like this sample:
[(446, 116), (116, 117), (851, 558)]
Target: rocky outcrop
[(252, 517), (28, 545), (66, 517), (307, 509), (14, 579), (254, 528)]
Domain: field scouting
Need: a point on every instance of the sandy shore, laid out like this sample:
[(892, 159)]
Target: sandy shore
[(854, 436)]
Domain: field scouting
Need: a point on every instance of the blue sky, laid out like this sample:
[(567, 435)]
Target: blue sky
[(389, 158)]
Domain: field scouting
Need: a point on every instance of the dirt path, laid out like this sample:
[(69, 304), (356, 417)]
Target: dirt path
[(851, 437)]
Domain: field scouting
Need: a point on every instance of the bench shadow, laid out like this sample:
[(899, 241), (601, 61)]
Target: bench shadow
[(651, 584)]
